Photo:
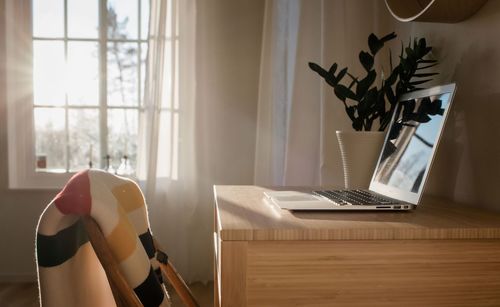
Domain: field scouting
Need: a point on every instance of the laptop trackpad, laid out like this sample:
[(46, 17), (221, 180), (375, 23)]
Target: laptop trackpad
[(303, 197), (294, 200)]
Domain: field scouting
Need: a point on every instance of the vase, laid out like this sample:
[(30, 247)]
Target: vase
[(360, 151)]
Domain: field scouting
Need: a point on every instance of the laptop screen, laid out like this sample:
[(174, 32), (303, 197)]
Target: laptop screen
[(412, 138)]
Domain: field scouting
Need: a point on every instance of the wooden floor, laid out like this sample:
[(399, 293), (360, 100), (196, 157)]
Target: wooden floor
[(18, 294), (26, 295)]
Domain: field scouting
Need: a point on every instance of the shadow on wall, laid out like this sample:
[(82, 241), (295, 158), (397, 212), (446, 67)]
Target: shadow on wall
[(468, 165)]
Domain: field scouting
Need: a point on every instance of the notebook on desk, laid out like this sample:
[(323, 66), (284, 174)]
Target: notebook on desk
[(404, 162)]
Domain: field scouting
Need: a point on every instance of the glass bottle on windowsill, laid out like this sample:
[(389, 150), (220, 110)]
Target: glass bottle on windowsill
[(125, 169), (90, 156), (108, 167)]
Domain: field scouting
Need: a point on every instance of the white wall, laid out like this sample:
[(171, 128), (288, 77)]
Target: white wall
[(467, 167), (229, 35)]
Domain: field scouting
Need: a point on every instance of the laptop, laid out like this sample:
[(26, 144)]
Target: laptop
[(403, 165)]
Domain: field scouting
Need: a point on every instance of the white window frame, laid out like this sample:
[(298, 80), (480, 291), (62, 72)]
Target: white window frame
[(20, 107), (20, 129)]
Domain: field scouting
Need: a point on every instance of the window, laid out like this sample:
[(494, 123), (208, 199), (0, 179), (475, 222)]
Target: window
[(77, 69)]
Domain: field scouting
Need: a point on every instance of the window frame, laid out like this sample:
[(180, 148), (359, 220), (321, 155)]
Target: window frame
[(20, 102)]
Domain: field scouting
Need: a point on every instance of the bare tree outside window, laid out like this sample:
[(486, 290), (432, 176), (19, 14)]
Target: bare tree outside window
[(81, 112)]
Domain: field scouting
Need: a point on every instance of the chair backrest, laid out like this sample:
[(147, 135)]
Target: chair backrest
[(111, 213), (122, 292)]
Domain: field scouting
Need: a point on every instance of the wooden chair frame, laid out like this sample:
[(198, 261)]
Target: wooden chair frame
[(123, 294)]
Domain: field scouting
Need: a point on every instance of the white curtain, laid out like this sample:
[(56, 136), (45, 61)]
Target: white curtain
[(168, 157), (281, 21), (297, 112)]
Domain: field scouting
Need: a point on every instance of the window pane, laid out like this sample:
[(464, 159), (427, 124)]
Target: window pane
[(83, 73), (48, 73), (83, 18), (50, 138), (122, 135), (123, 19), (168, 28), (144, 55), (176, 17), (48, 18), (144, 18), (122, 74), (83, 138)]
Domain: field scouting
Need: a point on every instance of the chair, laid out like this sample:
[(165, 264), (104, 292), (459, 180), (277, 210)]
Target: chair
[(122, 292), (109, 212)]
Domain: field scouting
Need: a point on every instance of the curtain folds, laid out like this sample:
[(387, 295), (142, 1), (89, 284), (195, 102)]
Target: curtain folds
[(277, 71), (297, 113), (153, 95), (168, 158), (289, 118)]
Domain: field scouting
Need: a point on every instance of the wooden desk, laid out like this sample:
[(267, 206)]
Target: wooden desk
[(440, 254)]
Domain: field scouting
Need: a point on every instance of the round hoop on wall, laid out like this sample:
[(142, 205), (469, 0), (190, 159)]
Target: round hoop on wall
[(446, 11)]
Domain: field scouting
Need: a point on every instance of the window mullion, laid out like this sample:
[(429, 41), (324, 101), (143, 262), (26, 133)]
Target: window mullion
[(139, 59), (103, 114), (66, 111), (139, 53), (174, 92)]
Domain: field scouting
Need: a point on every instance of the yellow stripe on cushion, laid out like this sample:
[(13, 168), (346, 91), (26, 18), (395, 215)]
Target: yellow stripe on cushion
[(128, 196), (123, 238), (136, 267), (139, 219)]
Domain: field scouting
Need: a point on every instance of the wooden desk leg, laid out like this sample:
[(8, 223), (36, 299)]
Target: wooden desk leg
[(233, 273)]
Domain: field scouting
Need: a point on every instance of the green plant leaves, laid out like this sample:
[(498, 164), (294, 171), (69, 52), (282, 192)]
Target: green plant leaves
[(375, 44), (368, 102), (425, 75), (392, 78), (329, 76), (357, 124), (341, 75), (364, 84), (343, 93), (427, 66), (351, 112), (315, 67), (388, 37), (333, 69), (366, 60)]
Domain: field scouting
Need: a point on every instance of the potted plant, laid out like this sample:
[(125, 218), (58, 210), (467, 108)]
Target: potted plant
[(370, 104)]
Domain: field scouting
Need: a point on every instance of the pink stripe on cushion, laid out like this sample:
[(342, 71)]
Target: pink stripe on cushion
[(75, 196)]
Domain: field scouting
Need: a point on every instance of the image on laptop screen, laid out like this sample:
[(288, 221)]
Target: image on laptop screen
[(407, 152)]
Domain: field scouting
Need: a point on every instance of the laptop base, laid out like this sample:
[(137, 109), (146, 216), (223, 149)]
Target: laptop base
[(303, 201)]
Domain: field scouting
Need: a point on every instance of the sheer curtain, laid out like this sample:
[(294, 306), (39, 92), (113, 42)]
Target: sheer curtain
[(297, 113), (279, 51), (168, 157)]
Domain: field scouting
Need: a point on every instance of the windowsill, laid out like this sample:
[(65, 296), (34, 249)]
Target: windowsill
[(47, 180)]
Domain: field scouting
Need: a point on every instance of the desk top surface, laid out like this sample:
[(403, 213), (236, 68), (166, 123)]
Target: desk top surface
[(243, 213)]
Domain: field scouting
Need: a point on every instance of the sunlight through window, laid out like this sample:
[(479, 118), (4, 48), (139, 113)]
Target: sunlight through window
[(88, 82)]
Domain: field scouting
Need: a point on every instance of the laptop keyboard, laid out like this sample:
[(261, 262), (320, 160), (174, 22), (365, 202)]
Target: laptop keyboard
[(356, 197)]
